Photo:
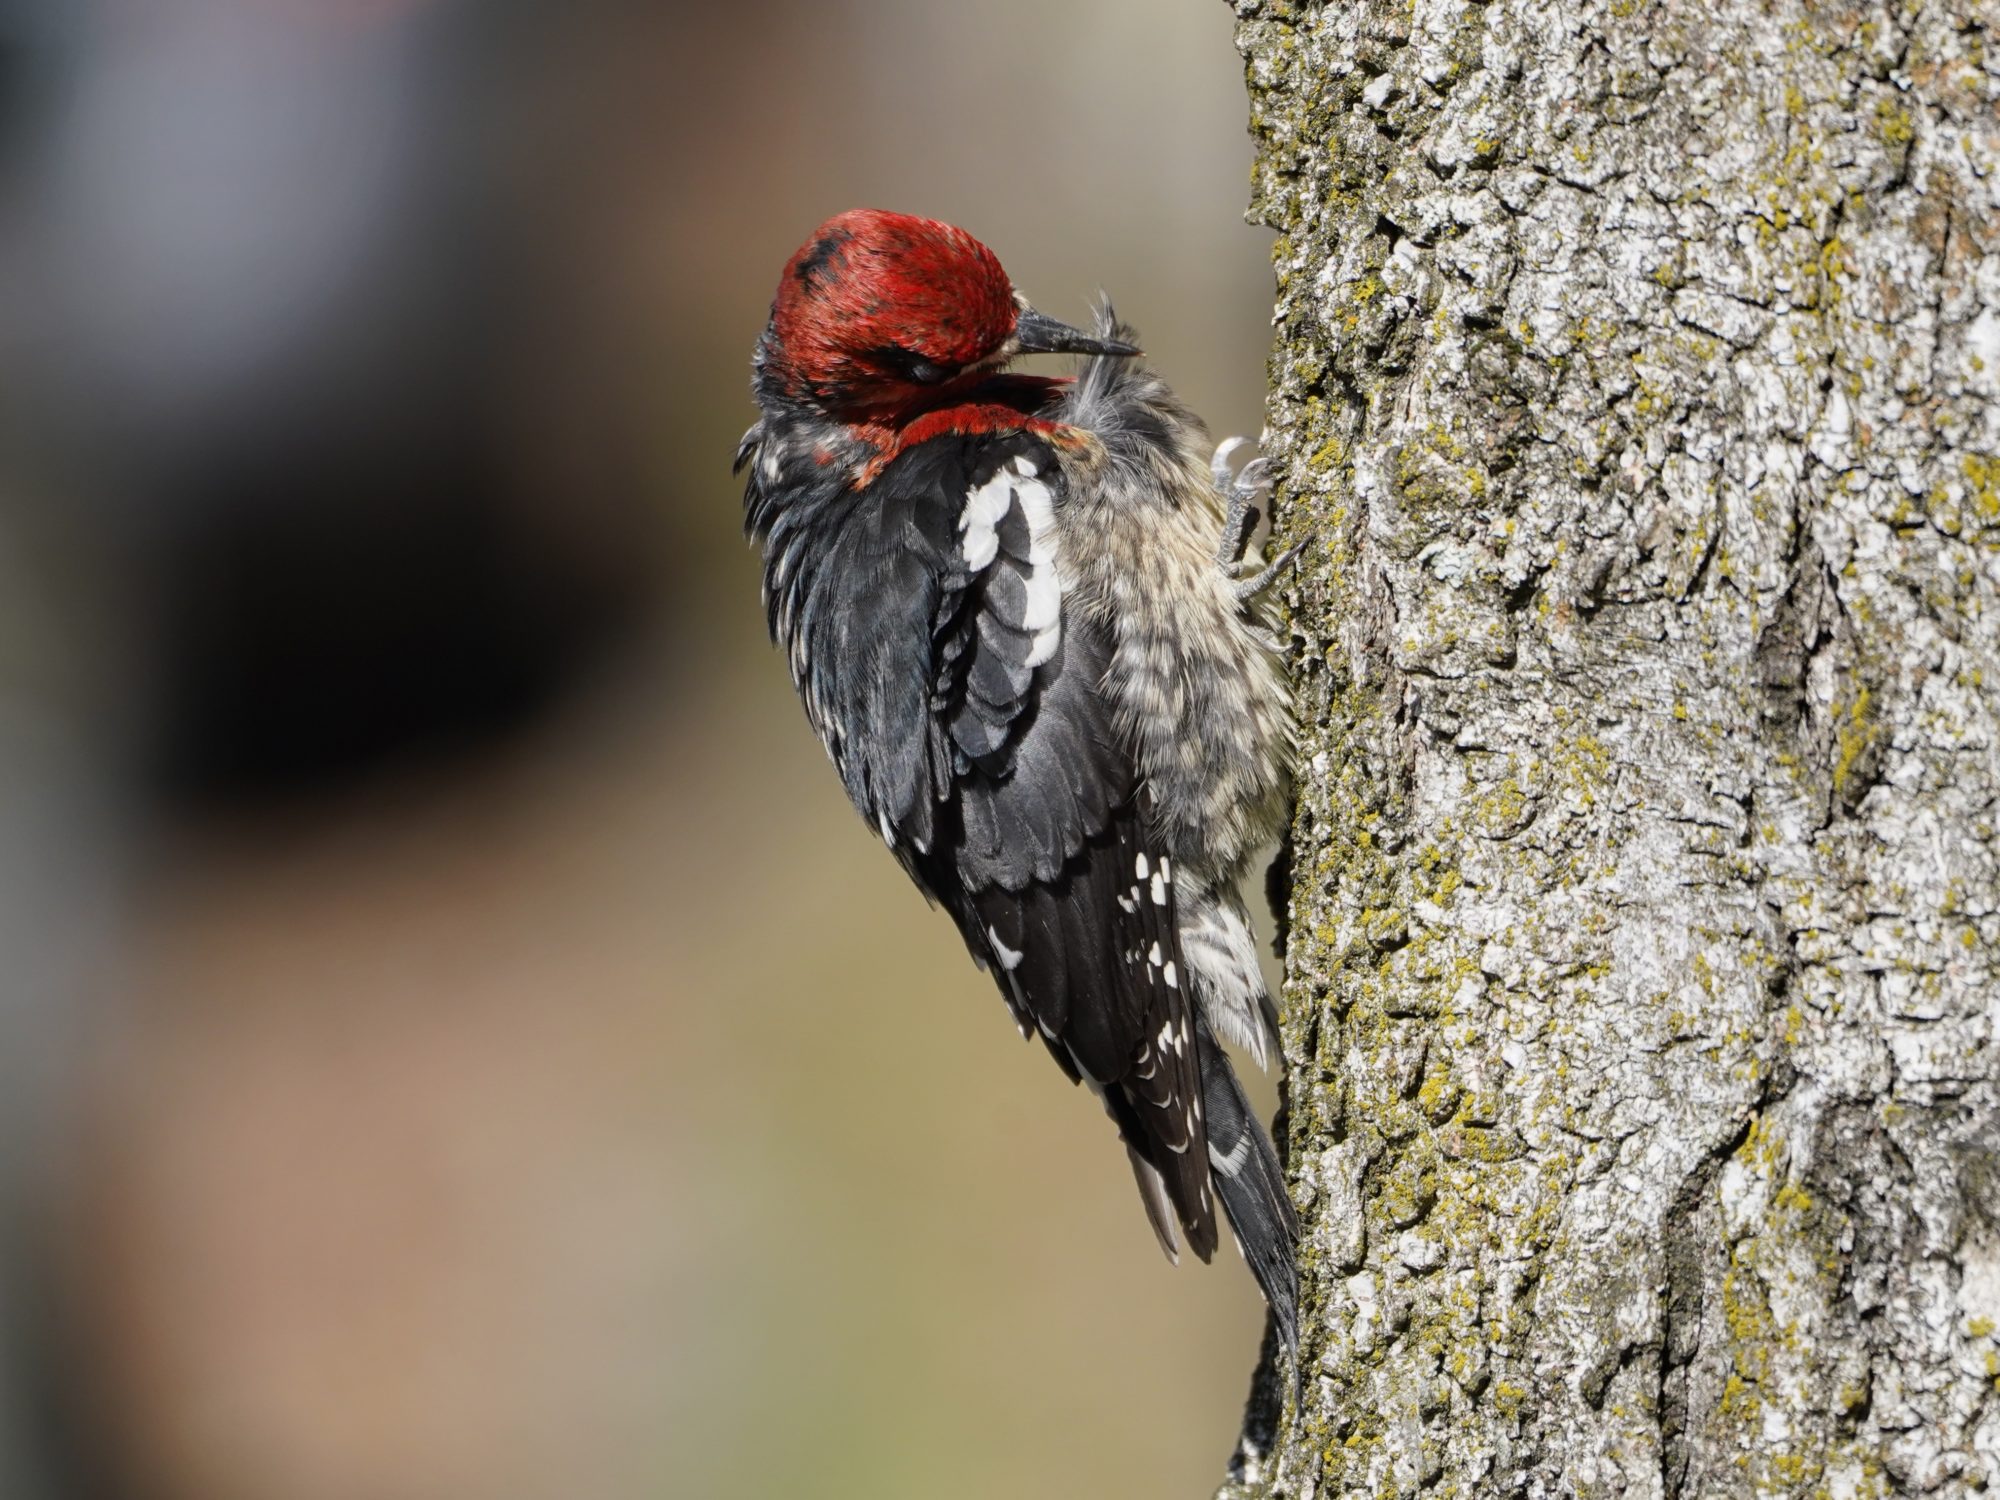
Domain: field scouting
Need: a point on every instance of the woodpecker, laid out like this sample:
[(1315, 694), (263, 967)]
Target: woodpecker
[(1022, 614)]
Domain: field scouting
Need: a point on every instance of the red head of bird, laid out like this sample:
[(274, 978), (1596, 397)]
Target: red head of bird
[(881, 314)]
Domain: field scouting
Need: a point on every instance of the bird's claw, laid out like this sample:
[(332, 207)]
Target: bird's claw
[(1249, 588), (1220, 465), (1242, 487)]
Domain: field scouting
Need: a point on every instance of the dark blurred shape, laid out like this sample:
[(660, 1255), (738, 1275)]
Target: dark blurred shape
[(292, 327), (392, 603)]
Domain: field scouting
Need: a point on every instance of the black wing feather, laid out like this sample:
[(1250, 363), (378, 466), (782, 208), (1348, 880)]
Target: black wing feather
[(1087, 965), (982, 748)]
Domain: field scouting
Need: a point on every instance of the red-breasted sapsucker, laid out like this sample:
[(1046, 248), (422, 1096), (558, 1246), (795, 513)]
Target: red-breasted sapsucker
[(1013, 607)]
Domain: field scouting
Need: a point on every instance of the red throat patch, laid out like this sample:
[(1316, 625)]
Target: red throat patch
[(1004, 403)]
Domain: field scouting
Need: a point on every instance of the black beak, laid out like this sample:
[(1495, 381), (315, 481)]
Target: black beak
[(1037, 333)]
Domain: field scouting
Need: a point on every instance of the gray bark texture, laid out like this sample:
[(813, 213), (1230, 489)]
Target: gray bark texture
[(1637, 383)]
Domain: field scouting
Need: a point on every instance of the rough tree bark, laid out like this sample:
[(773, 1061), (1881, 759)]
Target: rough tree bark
[(1637, 377)]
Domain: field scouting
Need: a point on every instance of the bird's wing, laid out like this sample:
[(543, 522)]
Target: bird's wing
[(963, 705)]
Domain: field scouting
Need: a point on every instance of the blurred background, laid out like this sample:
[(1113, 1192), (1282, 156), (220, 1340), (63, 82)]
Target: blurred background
[(455, 1040)]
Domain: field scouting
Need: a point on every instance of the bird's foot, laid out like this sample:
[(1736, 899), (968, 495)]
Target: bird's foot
[(1242, 489), (1249, 588)]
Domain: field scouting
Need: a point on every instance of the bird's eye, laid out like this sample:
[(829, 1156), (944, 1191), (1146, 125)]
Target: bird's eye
[(911, 366)]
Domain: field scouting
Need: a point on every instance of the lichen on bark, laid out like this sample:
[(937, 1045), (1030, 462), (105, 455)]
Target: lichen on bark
[(1637, 383)]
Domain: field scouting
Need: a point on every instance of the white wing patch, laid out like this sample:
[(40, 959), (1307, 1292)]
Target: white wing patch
[(1043, 615), (1010, 958), (983, 509), (1016, 485)]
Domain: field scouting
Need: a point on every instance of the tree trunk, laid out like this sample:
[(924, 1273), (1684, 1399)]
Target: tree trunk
[(1635, 379)]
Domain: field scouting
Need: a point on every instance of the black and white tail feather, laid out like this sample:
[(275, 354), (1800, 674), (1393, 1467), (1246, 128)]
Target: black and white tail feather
[(1251, 1183)]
